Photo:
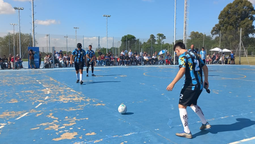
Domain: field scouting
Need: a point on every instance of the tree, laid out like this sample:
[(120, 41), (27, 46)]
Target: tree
[(128, 42), (7, 41), (236, 15)]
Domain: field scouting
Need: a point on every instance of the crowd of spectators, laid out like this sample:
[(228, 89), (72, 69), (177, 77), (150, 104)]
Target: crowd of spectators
[(11, 62)]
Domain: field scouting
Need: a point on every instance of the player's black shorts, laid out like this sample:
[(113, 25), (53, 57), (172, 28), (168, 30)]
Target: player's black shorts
[(78, 65), (88, 64), (189, 97)]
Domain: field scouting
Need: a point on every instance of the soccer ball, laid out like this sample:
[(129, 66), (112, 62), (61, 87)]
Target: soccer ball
[(122, 108)]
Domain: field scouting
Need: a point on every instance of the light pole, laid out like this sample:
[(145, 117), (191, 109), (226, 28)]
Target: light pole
[(33, 23), (76, 33), (107, 16), (18, 9), (48, 35), (13, 44), (66, 43)]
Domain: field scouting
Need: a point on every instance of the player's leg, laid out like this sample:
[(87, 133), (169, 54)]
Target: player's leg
[(199, 112), (88, 68), (81, 72), (92, 69), (183, 103), (77, 71)]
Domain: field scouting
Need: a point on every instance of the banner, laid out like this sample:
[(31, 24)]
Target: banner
[(36, 56)]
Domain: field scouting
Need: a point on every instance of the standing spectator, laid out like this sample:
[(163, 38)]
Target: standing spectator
[(122, 58), (192, 49), (122, 52), (40, 60), (31, 59), (130, 53), (203, 54), (232, 58), (99, 53)]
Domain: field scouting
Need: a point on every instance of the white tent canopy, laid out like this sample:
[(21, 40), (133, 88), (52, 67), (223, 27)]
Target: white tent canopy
[(226, 50), (216, 49)]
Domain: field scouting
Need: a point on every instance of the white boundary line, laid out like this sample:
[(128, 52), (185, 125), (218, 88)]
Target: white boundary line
[(38, 105), (244, 140), (22, 116)]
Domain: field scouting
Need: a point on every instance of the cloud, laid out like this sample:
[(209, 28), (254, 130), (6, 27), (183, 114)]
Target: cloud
[(6, 8), (252, 1), (46, 22)]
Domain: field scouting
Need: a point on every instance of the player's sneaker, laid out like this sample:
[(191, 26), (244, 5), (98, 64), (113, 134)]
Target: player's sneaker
[(205, 126), (93, 75), (81, 82), (77, 81), (184, 134)]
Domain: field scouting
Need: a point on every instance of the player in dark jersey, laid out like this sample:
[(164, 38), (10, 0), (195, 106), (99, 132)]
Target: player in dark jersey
[(192, 66), (90, 54), (192, 49), (79, 55)]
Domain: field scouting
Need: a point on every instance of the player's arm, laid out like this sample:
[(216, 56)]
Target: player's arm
[(179, 75), (205, 70)]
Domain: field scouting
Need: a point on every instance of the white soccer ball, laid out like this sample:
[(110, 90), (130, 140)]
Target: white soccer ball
[(122, 108)]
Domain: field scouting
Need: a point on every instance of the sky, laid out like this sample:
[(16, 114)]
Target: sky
[(137, 17)]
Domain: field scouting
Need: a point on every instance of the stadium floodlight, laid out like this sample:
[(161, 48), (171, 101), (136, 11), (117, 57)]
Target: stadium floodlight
[(19, 9), (107, 16)]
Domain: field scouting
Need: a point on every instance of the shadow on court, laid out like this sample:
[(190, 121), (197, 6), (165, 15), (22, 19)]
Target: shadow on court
[(96, 82), (128, 113), (108, 75), (240, 124)]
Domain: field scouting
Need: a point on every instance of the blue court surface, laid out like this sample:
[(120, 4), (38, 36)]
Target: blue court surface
[(47, 106)]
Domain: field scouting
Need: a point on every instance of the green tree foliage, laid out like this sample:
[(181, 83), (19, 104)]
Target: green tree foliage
[(128, 42), (7, 41), (236, 15)]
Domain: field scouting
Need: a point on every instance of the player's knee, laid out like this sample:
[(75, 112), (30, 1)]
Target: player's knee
[(182, 106)]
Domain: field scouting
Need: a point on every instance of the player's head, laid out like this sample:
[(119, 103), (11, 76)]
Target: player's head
[(90, 47), (79, 46), (203, 48), (192, 46), (179, 48)]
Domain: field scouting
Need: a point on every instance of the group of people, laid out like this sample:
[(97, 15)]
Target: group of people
[(11, 62)]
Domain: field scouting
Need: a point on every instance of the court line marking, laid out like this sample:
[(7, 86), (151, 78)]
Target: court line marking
[(22, 116), (38, 105), (244, 140)]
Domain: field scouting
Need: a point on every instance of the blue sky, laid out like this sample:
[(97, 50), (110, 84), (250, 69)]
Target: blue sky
[(137, 17)]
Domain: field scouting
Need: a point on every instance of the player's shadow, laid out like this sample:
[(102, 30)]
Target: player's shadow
[(240, 124), (97, 82), (128, 113)]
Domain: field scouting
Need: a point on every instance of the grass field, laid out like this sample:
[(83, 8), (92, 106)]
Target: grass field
[(244, 60)]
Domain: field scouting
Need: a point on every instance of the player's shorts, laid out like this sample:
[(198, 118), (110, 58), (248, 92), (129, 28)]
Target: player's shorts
[(189, 97), (90, 63), (31, 62), (78, 66)]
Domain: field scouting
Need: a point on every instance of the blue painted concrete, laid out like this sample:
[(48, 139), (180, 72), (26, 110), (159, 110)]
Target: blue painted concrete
[(74, 113)]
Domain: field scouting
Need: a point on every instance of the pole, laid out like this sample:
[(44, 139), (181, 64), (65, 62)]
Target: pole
[(9, 43), (126, 42), (83, 42), (203, 40), (240, 45), (13, 45), (175, 3), (107, 34), (49, 44), (185, 22), (33, 23), (19, 37)]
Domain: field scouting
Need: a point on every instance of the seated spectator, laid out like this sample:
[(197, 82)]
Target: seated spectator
[(98, 61), (126, 60), (161, 60), (154, 59), (46, 61), (66, 61), (112, 60), (9, 61), (122, 59), (102, 59), (107, 60), (208, 59), (1, 63), (18, 62), (61, 61), (138, 60)]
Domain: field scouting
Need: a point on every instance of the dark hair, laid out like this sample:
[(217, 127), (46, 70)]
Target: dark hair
[(90, 45), (203, 48), (79, 45), (180, 44)]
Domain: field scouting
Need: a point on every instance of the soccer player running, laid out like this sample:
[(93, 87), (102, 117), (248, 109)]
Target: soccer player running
[(90, 60), (79, 56), (191, 65)]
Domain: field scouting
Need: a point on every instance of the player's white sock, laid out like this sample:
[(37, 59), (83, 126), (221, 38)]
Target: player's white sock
[(80, 77), (199, 113), (184, 119), (77, 76)]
